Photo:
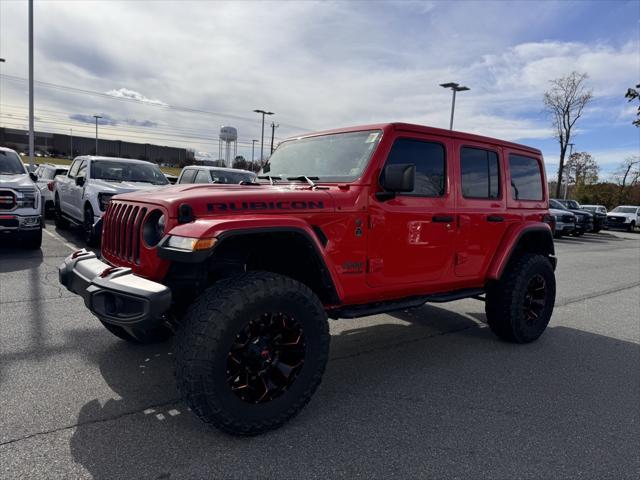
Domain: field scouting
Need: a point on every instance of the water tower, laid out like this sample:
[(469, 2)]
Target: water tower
[(228, 140)]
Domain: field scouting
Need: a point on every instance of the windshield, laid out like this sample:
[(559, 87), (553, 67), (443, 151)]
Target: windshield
[(114, 171), (339, 157), (624, 210), (10, 163), (222, 176)]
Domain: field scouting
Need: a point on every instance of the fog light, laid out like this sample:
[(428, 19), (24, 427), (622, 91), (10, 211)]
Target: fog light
[(29, 221)]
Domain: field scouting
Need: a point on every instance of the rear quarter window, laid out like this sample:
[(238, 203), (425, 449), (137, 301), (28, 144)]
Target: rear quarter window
[(526, 178)]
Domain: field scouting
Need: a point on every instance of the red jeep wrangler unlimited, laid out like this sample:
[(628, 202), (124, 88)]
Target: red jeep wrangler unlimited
[(341, 224)]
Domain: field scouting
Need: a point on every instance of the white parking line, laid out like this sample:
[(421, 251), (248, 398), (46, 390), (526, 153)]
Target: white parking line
[(60, 239)]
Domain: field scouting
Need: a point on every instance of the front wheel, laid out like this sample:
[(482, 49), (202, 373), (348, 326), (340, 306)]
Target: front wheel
[(251, 352), (632, 227), (89, 232), (519, 306)]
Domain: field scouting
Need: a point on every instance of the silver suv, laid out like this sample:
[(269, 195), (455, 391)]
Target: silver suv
[(20, 201)]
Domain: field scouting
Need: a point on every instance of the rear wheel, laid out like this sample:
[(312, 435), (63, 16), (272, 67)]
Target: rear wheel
[(519, 306), (135, 335), (251, 352), (90, 236)]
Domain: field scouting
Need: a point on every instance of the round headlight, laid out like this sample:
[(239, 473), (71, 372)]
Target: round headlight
[(153, 228)]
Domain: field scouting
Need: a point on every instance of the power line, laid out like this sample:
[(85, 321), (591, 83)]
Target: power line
[(83, 91)]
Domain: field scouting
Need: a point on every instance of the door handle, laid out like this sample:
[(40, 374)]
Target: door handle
[(441, 219), (495, 218)]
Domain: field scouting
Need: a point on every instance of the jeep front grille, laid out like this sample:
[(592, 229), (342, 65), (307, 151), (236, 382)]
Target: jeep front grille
[(121, 227)]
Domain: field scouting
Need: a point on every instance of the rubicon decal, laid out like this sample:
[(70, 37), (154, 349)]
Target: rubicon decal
[(284, 205)]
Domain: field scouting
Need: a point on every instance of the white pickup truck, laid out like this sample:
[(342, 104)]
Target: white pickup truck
[(81, 196), (20, 201)]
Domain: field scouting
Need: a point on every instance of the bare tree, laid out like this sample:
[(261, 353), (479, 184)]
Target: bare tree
[(627, 176), (565, 102)]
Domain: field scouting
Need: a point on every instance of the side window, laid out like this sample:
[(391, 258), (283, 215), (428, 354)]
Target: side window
[(74, 168), (479, 172), (82, 171), (202, 177), (429, 159), (188, 176), (526, 178)]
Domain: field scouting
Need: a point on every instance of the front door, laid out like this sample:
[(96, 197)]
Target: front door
[(411, 238)]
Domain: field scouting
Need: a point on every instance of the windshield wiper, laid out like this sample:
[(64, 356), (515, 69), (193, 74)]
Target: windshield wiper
[(270, 178), (304, 178)]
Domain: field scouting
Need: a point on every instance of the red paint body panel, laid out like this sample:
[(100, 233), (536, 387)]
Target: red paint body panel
[(403, 252)]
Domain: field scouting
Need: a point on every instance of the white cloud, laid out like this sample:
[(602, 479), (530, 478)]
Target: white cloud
[(133, 95)]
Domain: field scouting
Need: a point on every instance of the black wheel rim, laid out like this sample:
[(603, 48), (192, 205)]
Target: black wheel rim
[(535, 298), (265, 358)]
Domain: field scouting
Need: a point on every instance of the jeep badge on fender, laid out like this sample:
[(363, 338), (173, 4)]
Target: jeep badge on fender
[(347, 223)]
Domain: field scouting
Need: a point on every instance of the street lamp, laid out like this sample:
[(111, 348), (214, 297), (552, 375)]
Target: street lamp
[(253, 145), (455, 87), (262, 140), (97, 117)]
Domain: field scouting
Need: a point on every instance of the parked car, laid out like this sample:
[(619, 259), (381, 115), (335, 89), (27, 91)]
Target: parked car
[(584, 219), (82, 195), (342, 224), (20, 201), (599, 216), (626, 217), (564, 222), (172, 178), (204, 174), (46, 173)]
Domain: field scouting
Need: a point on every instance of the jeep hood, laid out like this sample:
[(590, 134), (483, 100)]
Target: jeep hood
[(209, 200), (123, 187), (19, 180)]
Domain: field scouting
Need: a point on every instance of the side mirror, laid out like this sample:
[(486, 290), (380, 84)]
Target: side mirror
[(33, 176), (397, 178), (80, 181)]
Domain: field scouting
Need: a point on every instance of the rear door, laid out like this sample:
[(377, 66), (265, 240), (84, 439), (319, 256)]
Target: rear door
[(481, 206), (412, 236)]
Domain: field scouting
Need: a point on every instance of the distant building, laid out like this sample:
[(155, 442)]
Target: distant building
[(59, 145)]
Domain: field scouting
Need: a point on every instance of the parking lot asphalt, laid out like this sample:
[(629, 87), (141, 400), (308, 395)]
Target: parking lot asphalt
[(423, 393)]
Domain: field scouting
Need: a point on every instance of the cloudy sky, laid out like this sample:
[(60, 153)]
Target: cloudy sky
[(173, 72)]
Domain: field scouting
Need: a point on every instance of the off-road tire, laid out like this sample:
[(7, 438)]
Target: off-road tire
[(137, 336), (506, 299), (59, 219), (32, 240), (90, 236), (210, 326)]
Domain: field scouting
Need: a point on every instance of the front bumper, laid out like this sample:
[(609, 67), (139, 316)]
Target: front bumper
[(115, 295), (19, 223)]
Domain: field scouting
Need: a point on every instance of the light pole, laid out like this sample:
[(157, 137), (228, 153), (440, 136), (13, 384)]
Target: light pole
[(97, 117), (31, 122), (273, 133), (263, 112), (253, 145), (455, 87), (1, 61), (566, 171), (71, 143)]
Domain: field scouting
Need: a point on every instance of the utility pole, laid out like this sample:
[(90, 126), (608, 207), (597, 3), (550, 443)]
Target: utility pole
[(1, 61), (71, 143), (263, 112), (97, 117), (31, 122), (273, 133), (253, 145), (455, 87), (566, 172)]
